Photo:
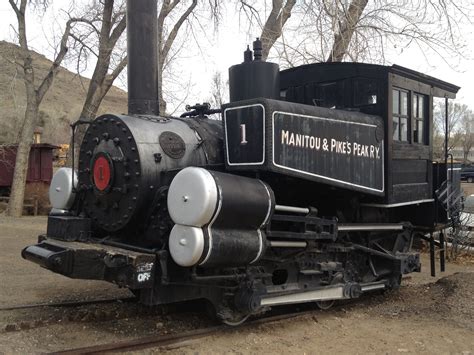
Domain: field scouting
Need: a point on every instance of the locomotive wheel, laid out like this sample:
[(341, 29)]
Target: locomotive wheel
[(236, 319), (324, 305), (226, 315)]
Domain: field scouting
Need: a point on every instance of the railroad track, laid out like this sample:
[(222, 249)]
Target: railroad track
[(173, 341), (66, 303)]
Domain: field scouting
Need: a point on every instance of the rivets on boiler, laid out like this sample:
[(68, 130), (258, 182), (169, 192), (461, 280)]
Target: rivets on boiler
[(106, 136), (116, 141)]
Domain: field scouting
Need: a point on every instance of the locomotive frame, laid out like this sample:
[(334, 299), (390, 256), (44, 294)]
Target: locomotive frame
[(252, 211)]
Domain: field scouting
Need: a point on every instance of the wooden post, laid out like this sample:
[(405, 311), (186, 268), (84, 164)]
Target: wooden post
[(35, 205)]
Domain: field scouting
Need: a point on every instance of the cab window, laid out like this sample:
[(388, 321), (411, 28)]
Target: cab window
[(400, 114), (419, 118), (365, 92)]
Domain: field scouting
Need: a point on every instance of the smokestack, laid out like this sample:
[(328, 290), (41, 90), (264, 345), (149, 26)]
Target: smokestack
[(142, 50)]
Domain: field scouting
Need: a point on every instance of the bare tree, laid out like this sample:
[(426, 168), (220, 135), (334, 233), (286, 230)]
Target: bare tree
[(467, 134), (457, 113), (101, 26), (99, 36), (345, 30), (35, 92), (362, 30), (167, 33), (272, 30), (219, 90)]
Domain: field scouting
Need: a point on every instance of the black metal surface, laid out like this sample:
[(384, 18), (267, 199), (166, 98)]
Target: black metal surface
[(234, 236), (50, 256), (442, 252), (77, 260), (345, 152), (308, 228), (145, 153), (142, 52), (200, 110), (69, 228), (338, 148), (245, 138), (432, 255), (252, 79)]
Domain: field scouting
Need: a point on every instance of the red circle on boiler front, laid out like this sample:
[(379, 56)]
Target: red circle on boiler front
[(101, 173)]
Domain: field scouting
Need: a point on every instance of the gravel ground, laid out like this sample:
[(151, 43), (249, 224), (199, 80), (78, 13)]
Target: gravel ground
[(467, 188), (427, 315)]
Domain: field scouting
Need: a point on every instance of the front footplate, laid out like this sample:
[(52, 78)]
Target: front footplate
[(94, 261)]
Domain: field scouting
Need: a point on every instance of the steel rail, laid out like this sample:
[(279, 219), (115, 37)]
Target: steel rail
[(173, 340), (65, 303)]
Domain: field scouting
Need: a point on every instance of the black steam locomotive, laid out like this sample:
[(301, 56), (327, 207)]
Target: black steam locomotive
[(311, 187)]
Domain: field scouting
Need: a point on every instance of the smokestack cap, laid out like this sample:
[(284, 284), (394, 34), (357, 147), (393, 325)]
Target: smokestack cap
[(257, 49)]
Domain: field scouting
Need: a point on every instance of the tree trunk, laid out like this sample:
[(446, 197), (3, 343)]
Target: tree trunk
[(162, 102), (33, 100), (88, 113), (273, 27), (343, 37), (15, 206)]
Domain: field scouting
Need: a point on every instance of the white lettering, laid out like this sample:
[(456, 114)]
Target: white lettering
[(329, 145), (243, 135), (292, 139), (144, 276), (284, 137)]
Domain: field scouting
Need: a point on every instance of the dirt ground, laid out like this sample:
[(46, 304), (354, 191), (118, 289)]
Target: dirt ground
[(467, 188), (427, 315)]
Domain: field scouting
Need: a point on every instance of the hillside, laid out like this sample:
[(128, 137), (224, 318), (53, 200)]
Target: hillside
[(61, 105)]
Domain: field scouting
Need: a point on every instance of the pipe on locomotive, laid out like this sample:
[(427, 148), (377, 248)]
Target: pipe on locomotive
[(142, 52)]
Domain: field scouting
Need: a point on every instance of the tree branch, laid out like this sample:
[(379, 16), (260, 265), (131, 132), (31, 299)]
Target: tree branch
[(117, 31), (273, 27), (174, 32), (109, 79), (343, 37), (53, 70)]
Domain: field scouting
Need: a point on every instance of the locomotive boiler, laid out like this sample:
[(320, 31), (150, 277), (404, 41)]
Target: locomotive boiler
[(310, 188)]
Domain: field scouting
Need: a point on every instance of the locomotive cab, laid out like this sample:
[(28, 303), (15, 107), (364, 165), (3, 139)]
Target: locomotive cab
[(396, 103)]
